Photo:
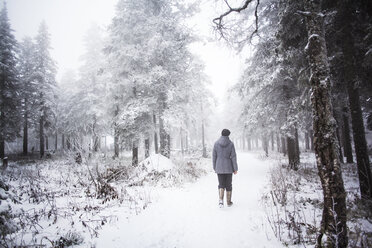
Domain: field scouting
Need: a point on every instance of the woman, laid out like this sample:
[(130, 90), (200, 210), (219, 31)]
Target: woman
[(224, 164)]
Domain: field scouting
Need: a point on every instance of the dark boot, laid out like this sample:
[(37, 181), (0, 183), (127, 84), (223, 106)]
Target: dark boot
[(228, 198), (221, 192)]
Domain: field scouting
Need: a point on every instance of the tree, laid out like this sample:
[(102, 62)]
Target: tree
[(325, 141), (26, 72), (345, 14), (334, 212), (10, 113), (44, 75), (149, 63)]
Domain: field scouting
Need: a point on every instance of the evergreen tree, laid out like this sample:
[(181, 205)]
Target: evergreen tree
[(149, 63), (44, 75), (10, 102), (26, 72)]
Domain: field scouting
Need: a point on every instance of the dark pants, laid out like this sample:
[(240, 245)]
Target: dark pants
[(225, 181)]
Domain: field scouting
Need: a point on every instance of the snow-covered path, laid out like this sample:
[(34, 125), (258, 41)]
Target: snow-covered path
[(190, 217)]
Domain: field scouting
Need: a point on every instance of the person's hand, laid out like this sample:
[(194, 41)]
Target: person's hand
[(235, 172)]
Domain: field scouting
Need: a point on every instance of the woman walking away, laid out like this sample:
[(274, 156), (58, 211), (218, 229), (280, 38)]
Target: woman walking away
[(224, 164)]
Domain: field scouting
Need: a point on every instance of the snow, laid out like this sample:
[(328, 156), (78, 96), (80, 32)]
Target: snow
[(190, 217), (157, 162)]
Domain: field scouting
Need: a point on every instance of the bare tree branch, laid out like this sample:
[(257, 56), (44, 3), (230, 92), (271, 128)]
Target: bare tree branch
[(218, 21)]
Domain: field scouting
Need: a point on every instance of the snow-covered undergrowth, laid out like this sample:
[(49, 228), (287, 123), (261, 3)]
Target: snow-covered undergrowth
[(61, 201), (293, 202)]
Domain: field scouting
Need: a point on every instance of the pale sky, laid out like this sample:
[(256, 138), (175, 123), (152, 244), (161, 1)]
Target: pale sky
[(68, 21)]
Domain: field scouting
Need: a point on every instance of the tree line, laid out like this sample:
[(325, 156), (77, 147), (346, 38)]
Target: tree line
[(138, 82)]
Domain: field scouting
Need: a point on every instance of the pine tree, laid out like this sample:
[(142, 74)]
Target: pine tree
[(10, 101), (26, 72), (149, 64), (44, 75)]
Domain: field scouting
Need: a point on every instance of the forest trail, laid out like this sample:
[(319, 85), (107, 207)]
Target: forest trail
[(190, 217)]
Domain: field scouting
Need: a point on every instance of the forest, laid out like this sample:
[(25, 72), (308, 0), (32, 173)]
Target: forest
[(138, 118)]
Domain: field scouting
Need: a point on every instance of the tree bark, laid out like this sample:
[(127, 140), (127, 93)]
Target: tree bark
[(63, 141), (333, 222), (265, 144), (116, 135), (278, 148), (41, 134), (284, 147), (56, 142), (68, 142), (147, 147), (25, 131), (347, 140), (164, 139), (135, 153), (2, 148), (360, 143), (47, 143), (297, 147), (311, 135), (307, 143), (156, 144), (292, 153), (272, 141)]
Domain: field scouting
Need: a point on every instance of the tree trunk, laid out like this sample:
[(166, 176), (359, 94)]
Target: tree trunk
[(116, 142), (47, 143), (292, 153), (307, 143), (360, 144), (256, 143), (278, 148), (339, 146), (347, 140), (311, 135), (41, 134), (96, 142), (272, 141), (284, 147), (63, 141), (25, 131), (249, 143), (156, 145), (68, 142), (297, 147), (333, 222), (135, 153), (350, 71), (116, 134), (164, 139), (56, 142), (2, 148), (147, 147), (265, 144)]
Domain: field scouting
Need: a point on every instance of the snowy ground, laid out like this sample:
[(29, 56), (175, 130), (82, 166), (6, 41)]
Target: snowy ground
[(190, 217)]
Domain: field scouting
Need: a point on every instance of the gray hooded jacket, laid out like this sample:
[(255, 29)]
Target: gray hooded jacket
[(224, 156)]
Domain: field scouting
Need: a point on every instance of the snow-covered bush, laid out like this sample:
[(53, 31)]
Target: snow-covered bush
[(7, 224), (289, 205), (293, 204)]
